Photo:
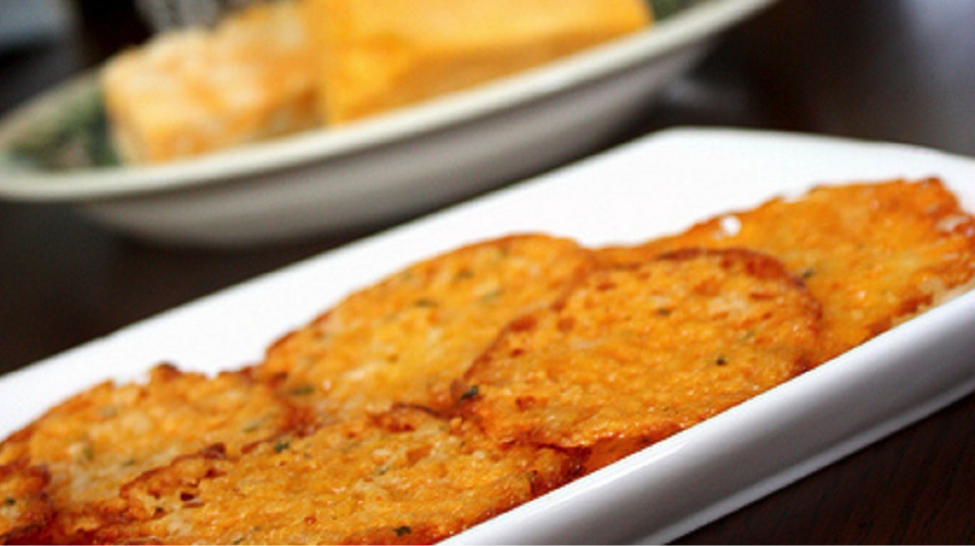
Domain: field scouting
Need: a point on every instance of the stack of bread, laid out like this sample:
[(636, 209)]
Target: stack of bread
[(284, 66)]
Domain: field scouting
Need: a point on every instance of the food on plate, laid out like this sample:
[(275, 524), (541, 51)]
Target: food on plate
[(407, 338), (406, 475), (198, 90), (275, 68), (375, 55), (640, 351), (93, 443), (873, 254), (474, 381), (24, 506)]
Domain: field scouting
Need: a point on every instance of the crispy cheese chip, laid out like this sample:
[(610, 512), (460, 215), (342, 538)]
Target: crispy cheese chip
[(100, 439), (640, 351), (406, 476), (873, 254), (408, 337), (24, 507)]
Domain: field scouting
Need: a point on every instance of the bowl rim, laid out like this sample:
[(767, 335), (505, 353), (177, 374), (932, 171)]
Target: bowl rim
[(695, 24)]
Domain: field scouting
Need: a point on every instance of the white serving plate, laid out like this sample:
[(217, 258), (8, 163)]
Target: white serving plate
[(389, 166), (656, 185)]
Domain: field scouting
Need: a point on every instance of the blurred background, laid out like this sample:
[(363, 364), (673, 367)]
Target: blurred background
[(893, 70), (887, 69)]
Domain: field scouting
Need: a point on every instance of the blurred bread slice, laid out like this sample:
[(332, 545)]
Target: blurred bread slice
[(197, 90), (377, 55)]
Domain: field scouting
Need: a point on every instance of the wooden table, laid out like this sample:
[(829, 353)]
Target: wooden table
[(899, 70)]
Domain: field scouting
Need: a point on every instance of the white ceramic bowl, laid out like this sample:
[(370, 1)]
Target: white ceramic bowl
[(385, 167)]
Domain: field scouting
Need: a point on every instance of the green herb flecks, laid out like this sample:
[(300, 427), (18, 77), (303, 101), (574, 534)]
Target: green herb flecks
[(303, 390), (470, 393), (491, 296)]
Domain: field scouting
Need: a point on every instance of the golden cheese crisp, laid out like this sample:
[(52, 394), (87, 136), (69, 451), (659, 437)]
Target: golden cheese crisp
[(197, 90), (96, 441), (407, 338), (873, 254), (640, 351), (24, 506), (377, 55), (406, 476)]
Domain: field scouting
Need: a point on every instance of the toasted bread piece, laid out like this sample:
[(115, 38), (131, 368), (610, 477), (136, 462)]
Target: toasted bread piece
[(377, 55), (406, 476), (408, 337), (98, 440), (640, 351), (873, 254), (196, 90), (24, 507)]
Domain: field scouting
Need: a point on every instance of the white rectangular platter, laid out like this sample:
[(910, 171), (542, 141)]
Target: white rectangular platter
[(657, 185)]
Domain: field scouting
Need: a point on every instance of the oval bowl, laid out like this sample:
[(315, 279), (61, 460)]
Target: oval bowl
[(384, 168)]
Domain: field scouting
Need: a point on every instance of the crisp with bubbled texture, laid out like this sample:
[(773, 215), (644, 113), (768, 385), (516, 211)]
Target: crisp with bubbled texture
[(93, 443), (403, 476), (639, 352), (873, 254), (408, 337)]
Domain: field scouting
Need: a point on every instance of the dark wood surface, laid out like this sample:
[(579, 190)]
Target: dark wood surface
[(897, 70)]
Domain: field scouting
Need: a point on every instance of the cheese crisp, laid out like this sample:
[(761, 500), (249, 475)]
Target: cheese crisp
[(406, 476), (24, 505), (87, 448), (377, 55), (407, 338), (639, 352), (873, 254), (196, 90)]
